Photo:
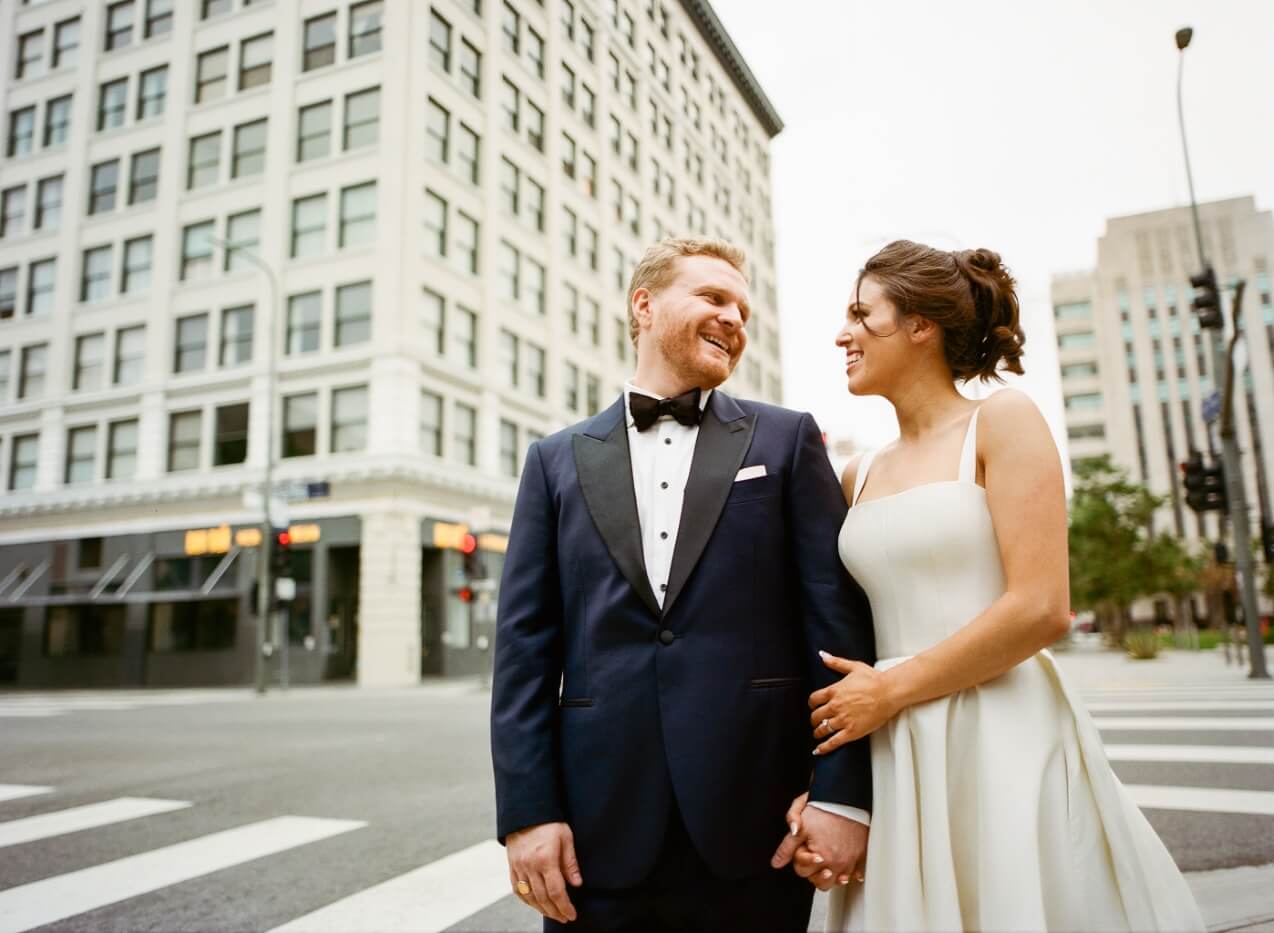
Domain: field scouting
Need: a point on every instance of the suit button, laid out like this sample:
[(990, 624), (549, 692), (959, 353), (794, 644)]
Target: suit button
[(666, 637)]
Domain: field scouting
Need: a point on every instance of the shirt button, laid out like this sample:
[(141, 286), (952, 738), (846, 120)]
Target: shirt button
[(663, 485), (667, 440), (663, 587), (663, 534)]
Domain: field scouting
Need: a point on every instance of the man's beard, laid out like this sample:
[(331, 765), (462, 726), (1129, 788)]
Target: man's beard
[(681, 348)]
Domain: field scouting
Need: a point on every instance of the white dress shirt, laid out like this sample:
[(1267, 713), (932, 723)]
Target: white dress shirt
[(661, 457)]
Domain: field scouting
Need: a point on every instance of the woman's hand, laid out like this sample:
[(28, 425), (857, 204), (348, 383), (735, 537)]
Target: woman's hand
[(856, 705)]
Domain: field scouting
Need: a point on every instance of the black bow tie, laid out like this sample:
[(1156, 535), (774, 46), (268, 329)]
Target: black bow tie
[(646, 410)]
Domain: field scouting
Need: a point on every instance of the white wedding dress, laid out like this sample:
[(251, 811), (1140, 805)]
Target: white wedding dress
[(995, 808)]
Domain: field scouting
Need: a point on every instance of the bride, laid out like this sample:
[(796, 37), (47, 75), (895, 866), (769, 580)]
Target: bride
[(995, 807)]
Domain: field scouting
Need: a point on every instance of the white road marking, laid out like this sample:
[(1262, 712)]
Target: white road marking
[(1187, 723), (74, 819), (432, 897), (1217, 754), (1203, 799), (29, 713), (18, 791), (62, 896), (1183, 706)]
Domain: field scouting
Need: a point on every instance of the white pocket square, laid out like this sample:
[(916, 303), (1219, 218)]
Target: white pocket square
[(752, 472)]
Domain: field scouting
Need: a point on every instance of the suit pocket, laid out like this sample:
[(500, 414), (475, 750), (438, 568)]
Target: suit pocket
[(750, 490), (768, 683), (566, 703)]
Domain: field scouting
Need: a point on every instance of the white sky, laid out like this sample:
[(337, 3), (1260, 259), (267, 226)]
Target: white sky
[(1019, 125)]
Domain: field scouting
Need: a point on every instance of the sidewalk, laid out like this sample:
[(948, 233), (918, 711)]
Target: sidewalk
[(1089, 666)]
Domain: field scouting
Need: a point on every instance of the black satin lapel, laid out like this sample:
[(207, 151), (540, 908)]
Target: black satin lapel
[(606, 479), (719, 452)]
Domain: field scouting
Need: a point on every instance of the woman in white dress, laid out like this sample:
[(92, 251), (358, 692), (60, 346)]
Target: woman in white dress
[(995, 807)]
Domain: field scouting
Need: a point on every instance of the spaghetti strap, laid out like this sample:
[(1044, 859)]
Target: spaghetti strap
[(969, 453), (864, 466)]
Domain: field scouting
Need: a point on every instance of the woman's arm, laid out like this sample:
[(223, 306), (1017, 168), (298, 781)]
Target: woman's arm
[(1026, 497)]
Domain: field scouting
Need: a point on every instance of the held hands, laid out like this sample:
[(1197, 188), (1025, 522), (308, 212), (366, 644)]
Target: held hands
[(856, 705), (823, 848), (541, 861)]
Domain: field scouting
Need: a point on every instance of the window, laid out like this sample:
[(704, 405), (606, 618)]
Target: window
[(464, 336), (570, 384), (510, 179), (435, 224), (1082, 401), (230, 441), (305, 313), (210, 74), (568, 156), (57, 121), (13, 209), (255, 58), (365, 28), (533, 293), (143, 182), (570, 231), (30, 51), (439, 42), (21, 132), (534, 212), (510, 30), (119, 25), (23, 458), (66, 43), (588, 105), (314, 131), (196, 251), (430, 424), (112, 103), (300, 425), (508, 448), (353, 313), (591, 248), (236, 336), (32, 372), (437, 131), (349, 419), (248, 157), (592, 395), (593, 321), (309, 226), (48, 203), (535, 52), (121, 449), (216, 8), (159, 18), (205, 161), (103, 183), (509, 345), (137, 264), (191, 351), (464, 447), (466, 243), (130, 350), (470, 68), (510, 105), (5, 366), (467, 144), (535, 359), (152, 92), (507, 273), (202, 625), (320, 42), (535, 126), (41, 278), (358, 215), (572, 308), (362, 118), (8, 292), (95, 277), (184, 429), (431, 320), (1077, 340), (243, 234), (90, 362), (81, 454)]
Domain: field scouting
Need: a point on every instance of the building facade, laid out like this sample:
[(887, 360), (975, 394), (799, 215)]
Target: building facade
[(437, 207), (1136, 367)]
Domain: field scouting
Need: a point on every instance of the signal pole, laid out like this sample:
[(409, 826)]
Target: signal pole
[(1207, 303)]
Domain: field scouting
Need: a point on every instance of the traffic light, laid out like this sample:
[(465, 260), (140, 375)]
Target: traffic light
[(281, 554), (1205, 485), (1207, 298), (475, 567), (1214, 487)]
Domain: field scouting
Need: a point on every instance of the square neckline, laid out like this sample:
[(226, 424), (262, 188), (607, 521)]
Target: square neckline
[(966, 469)]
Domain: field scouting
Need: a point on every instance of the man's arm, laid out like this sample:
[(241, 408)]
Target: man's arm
[(528, 662)]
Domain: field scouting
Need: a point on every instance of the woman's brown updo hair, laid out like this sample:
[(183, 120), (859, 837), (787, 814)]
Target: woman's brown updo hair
[(968, 293)]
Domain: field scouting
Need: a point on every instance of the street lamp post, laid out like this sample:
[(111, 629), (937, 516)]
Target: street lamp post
[(1223, 381), (267, 529)]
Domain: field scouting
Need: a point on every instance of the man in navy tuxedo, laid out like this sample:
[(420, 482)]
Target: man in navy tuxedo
[(671, 574)]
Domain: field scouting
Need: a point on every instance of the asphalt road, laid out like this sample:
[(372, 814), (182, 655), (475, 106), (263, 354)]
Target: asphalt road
[(389, 783)]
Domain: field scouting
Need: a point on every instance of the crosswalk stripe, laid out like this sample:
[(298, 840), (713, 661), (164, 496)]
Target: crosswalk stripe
[(432, 897), (74, 819), (29, 713), (1155, 706), (18, 791), (1203, 799), (1187, 723), (1215, 754), (62, 896)]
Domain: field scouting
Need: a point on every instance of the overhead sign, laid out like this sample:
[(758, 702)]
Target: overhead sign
[(450, 535), (493, 543), (217, 540)]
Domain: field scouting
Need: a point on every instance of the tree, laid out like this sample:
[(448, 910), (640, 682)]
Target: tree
[(1175, 572)]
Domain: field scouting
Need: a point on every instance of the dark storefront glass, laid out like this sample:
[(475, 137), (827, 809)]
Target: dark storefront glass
[(83, 631), (207, 625)]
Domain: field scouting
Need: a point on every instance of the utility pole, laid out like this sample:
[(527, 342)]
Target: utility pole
[(1207, 303)]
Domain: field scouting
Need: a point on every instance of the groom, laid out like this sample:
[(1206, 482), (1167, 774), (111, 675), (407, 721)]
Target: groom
[(671, 574)]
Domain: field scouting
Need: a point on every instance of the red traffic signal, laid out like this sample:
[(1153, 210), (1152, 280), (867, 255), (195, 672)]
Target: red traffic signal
[(285, 539), (465, 593), (468, 544)]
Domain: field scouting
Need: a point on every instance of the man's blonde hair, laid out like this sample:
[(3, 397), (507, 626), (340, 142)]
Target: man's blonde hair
[(658, 267)]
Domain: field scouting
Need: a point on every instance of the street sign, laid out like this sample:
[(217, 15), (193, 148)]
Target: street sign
[(1212, 407), (320, 490)]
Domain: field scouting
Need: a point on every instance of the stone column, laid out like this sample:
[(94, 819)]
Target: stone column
[(389, 600)]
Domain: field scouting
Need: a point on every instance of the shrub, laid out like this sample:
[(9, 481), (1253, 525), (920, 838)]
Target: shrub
[(1142, 642)]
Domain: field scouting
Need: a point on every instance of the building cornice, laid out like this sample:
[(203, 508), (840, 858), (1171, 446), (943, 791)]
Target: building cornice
[(709, 26)]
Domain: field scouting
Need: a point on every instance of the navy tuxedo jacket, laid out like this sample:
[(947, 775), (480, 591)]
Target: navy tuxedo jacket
[(605, 707)]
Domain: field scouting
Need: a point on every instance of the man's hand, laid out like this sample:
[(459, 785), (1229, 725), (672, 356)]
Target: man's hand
[(825, 848), (543, 856)]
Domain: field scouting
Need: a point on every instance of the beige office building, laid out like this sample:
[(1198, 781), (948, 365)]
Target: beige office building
[(1136, 367), (449, 196)]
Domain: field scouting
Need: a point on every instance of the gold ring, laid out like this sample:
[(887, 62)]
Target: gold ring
[(524, 888)]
